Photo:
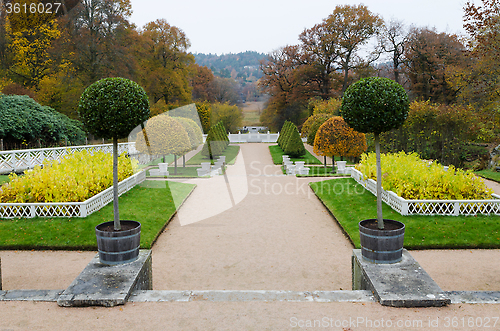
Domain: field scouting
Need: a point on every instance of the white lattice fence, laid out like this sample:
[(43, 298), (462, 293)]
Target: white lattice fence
[(69, 209), (431, 207), (21, 160)]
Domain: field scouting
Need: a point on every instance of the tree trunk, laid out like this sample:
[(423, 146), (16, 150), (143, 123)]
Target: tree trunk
[(175, 164), (380, 219), (116, 212), (184, 161)]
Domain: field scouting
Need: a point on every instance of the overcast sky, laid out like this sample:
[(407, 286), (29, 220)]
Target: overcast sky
[(232, 26)]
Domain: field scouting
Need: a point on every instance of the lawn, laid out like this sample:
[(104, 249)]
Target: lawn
[(350, 203), (4, 179), (489, 174), (168, 159), (182, 172), (151, 203), (230, 152), (277, 153)]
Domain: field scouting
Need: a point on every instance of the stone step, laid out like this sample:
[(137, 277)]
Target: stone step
[(102, 285), (402, 284)]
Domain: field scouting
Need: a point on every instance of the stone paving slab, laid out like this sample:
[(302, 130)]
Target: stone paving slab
[(242, 296), (30, 295), (402, 284), (474, 297), (102, 285)]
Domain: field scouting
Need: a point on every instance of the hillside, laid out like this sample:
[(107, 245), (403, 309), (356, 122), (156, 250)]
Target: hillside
[(243, 66)]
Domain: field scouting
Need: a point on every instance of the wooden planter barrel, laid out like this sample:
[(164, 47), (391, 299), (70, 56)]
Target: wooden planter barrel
[(118, 247), (382, 246)]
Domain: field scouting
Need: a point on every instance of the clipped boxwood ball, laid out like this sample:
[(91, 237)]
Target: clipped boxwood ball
[(375, 105), (113, 107)]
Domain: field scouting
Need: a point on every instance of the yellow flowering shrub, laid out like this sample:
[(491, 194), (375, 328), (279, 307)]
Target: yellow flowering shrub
[(75, 178), (412, 178)]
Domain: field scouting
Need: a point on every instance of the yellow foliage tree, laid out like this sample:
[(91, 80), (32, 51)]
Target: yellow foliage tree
[(30, 51), (335, 137), (163, 135)]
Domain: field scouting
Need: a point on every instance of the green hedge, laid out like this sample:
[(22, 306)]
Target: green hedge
[(22, 119)]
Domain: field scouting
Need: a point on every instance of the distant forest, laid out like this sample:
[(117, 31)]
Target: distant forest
[(240, 66)]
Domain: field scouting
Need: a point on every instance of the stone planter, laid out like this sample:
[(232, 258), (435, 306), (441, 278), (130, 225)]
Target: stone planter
[(381, 246), (163, 167), (118, 247), (341, 167)]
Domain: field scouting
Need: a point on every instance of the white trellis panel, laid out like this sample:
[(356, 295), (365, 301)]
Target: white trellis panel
[(69, 209), (21, 160), (431, 207)]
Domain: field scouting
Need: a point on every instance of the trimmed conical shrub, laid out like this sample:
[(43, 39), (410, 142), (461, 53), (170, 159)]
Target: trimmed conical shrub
[(294, 147), (283, 137), (216, 142)]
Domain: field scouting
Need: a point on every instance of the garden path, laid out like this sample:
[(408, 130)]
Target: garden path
[(273, 234)]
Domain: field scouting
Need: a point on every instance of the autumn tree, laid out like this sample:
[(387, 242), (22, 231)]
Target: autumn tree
[(166, 63), (479, 83), (428, 55), (231, 116), (100, 38), (282, 81), (30, 38), (336, 138), (352, 26), (393, 38), (319, 66), (201, 82), (224, 90)]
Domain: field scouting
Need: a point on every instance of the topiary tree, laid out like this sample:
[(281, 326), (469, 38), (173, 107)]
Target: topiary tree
[(311, 126), (375, 105), (110, 109), (165, 135), (283, 137), (193, 131), (216, 142), (294, 145), (205, 113), (335, 137)]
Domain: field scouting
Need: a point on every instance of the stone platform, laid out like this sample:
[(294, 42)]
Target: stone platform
[(402, 284), (102, 285)]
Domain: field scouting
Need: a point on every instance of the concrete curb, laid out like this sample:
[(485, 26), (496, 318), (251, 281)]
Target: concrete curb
[(242, 296)]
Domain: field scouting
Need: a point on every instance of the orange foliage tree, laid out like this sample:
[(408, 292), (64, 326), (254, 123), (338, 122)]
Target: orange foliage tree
[(335, 137)]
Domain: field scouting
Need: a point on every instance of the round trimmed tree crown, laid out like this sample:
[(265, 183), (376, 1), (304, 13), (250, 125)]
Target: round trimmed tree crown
[(113, 107), (375, 105)]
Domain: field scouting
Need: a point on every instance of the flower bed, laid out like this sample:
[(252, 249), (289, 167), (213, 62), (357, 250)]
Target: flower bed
[(428, 180), (75, 186), (69, 209)]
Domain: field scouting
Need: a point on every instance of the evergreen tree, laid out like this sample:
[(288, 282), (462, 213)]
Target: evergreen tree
[(294, 146)]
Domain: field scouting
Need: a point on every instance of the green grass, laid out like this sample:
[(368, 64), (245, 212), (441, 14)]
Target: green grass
[(489, 174), (350, 203), (168, 159), (251, 118), (231, 152), (151, 203), (4, 179), (277, 153), (187, 172)]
